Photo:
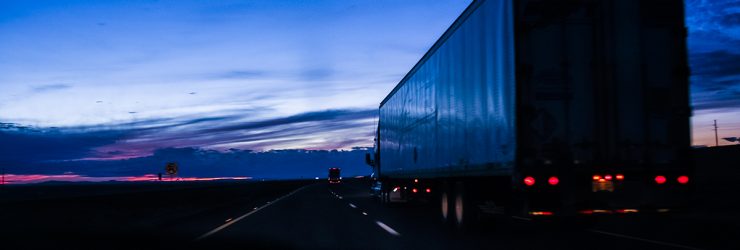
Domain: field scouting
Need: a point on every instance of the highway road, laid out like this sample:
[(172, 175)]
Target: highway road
[(345, 217), (315, 215)]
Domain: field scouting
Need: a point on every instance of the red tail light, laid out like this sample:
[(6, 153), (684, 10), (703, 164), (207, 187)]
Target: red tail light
[(620, 177), (683, 179), (414, 190), (529, 181), (660, 179), (608, 177), (429, 190), (596, 177), (553, 180)]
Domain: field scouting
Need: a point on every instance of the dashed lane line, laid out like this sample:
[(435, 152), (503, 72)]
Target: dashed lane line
[(387, 228)]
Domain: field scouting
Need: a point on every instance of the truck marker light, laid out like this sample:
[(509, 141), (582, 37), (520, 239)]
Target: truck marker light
[(596, 177), (608, 177), (529, 181), (540, 213), (626, 210), (414, 190), (683, 179), (429, 190), (660, 179), (620, 177), (553, 180), (601, 211)]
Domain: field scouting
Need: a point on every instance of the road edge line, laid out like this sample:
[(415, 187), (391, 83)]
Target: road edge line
[(209, 233)]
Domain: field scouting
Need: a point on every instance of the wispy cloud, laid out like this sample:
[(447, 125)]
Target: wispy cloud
[(50, 87), (239, 74)]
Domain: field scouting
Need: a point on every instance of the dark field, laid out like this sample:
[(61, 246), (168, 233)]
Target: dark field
[(125, 215)]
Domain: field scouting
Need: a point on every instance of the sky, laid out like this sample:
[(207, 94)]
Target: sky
[(115, 80)]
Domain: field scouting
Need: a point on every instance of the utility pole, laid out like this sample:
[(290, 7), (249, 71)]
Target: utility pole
[(716, 138)]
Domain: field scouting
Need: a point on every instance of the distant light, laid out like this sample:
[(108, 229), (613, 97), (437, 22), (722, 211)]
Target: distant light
[(416, 180), (316, 178), (553, 180), (683, 179), (395, 189), (620, 177), (429, 190), (413, 190), (608, 177), (529, 181), (596, 177), (660, 179)]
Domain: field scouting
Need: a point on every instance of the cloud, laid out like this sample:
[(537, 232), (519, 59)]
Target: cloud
[(715, 80), (730, 20), (50, 87), (327, 129), (715, 64), (239, 74), (26, 145)]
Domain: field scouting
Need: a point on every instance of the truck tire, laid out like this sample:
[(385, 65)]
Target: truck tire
[(462, 209), (444, 203)]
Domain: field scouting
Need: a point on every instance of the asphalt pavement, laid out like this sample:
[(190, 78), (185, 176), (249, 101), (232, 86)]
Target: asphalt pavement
[(344, 216)]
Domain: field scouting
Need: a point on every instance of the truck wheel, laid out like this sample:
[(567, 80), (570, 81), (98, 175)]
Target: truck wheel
[(463, 209), (444, 202)]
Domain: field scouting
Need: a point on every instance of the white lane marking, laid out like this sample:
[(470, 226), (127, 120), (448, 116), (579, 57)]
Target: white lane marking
[(363, 213), (644, 240), (521, 218), (387, 228), (248, 214), (352, 205)]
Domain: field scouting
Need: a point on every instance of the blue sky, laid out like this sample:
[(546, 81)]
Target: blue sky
[(106, 80), (714, 54), (159, 73)]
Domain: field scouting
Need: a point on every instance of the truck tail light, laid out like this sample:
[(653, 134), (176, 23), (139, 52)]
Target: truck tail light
[(620, 177), (529, 181), (660, 179), (553, 180), (596, 177), (608, 177), (683, 179)]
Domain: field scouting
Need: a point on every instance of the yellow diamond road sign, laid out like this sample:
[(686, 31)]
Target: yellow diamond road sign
[(171, 168)]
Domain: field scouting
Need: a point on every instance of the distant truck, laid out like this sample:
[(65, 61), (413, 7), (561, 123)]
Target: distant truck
[(539, 108), (335, 175)]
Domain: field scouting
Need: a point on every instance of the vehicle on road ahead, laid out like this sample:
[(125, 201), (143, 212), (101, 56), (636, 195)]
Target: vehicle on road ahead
[(539, 108), (335, 175)]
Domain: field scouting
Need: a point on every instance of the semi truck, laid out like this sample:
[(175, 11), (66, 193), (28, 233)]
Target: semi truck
[(335, 175), (535, 108)]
